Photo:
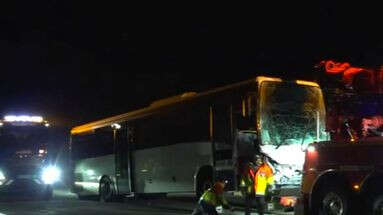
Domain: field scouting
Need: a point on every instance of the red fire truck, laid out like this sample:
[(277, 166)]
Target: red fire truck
[(345, 175)]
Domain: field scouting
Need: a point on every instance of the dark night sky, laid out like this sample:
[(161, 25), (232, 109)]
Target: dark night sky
[(76, 62)]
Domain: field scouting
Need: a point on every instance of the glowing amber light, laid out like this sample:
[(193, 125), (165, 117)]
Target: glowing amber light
[(261, 79), (356, 187), (288, 201), (116, 126), (308, 83)]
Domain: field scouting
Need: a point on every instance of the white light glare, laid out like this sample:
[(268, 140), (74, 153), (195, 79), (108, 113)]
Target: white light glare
[(116, 126), (90, 172), (311, 149), (2, 177), (41, 151), (23, 118), (51, 174)]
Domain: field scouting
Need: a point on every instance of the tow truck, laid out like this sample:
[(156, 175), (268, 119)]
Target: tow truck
[(345, 175), (25, 168)]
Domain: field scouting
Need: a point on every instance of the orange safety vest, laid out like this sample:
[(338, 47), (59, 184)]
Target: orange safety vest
[(263, 177)]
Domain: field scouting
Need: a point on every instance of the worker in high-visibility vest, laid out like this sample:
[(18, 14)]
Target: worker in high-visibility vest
[(262, 177), (246, 184), (212, 198)]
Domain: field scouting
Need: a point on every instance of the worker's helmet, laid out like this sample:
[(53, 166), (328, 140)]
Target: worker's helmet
[(219, 186)]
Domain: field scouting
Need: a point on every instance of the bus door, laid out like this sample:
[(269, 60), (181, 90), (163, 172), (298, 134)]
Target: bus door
[(121, 139), (245, 134)]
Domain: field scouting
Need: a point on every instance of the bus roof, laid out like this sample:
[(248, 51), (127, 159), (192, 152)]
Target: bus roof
[(158, 104)]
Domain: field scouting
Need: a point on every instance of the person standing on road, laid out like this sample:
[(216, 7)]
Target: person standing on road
[(247, 185), (262, 177), (212, 198)]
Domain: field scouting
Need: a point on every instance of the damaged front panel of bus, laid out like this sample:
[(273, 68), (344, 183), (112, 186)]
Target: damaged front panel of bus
[(291, 116)]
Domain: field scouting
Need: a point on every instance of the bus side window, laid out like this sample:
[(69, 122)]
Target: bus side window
[(98, 143), (104, 141), (221, 125), (190, 124), (251, 105), (176, 126), (79, 145), (245, 125), (244, 113)]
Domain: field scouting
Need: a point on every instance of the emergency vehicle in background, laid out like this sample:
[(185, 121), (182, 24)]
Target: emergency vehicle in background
[(180, 145), (26, 170), (345, 175)]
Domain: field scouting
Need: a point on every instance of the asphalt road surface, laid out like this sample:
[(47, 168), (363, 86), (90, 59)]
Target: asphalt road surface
[(67, 203)]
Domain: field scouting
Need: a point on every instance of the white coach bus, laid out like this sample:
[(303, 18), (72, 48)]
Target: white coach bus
[(183, 143)]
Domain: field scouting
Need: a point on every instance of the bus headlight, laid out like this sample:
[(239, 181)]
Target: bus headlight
[(51, 174)]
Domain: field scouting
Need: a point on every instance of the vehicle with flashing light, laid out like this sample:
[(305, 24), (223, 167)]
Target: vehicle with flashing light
[(180, 145), (26, 170), (345, 175)]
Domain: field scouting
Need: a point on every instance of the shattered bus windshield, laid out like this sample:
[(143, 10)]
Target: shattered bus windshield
[(291, 117), (291, 114)]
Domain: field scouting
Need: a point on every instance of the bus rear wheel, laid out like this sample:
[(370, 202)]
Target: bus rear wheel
[(106, 190)]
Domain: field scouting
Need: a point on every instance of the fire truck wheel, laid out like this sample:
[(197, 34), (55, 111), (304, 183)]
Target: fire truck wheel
[(377, 205), (333, 201)]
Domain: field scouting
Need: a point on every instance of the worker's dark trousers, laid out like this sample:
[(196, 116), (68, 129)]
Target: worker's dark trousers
[(259, 203)]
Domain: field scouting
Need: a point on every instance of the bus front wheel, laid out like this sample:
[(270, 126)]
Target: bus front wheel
[(106, 190)]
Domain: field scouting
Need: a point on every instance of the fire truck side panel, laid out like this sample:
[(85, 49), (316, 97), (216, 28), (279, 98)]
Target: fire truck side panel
[(357, 168)]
